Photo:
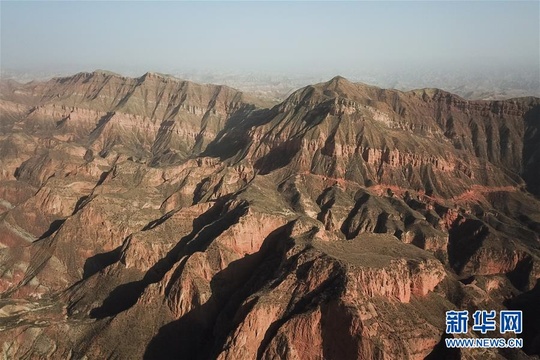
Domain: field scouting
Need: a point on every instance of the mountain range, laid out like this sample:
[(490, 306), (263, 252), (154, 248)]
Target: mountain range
[(158, 218)]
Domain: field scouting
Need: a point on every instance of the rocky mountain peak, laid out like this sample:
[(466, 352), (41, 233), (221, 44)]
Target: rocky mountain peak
[(341, 87), (338, 81)]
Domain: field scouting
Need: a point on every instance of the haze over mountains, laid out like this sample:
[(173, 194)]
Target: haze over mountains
[(160, 218)]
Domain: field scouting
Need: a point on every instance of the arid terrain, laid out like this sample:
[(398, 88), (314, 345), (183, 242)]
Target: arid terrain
[(158, 218)]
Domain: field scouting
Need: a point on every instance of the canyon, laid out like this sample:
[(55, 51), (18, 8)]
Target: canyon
[(158, 218)]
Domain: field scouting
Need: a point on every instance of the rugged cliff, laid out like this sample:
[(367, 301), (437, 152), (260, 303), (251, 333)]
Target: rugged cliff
[(159, 218)]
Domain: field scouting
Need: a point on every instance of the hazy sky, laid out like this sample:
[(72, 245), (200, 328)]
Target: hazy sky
[(268, 36)]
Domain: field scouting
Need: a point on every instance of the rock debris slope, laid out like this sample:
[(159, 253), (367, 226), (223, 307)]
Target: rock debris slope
[(157, 218)]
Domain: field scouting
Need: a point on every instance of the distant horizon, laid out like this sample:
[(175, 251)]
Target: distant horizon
[(491, 70)]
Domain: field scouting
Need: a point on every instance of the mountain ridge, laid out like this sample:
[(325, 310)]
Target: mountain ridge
[(336, 80)]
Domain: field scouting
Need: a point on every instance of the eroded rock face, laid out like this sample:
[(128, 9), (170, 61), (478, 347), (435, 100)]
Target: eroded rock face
[(197, 222)]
